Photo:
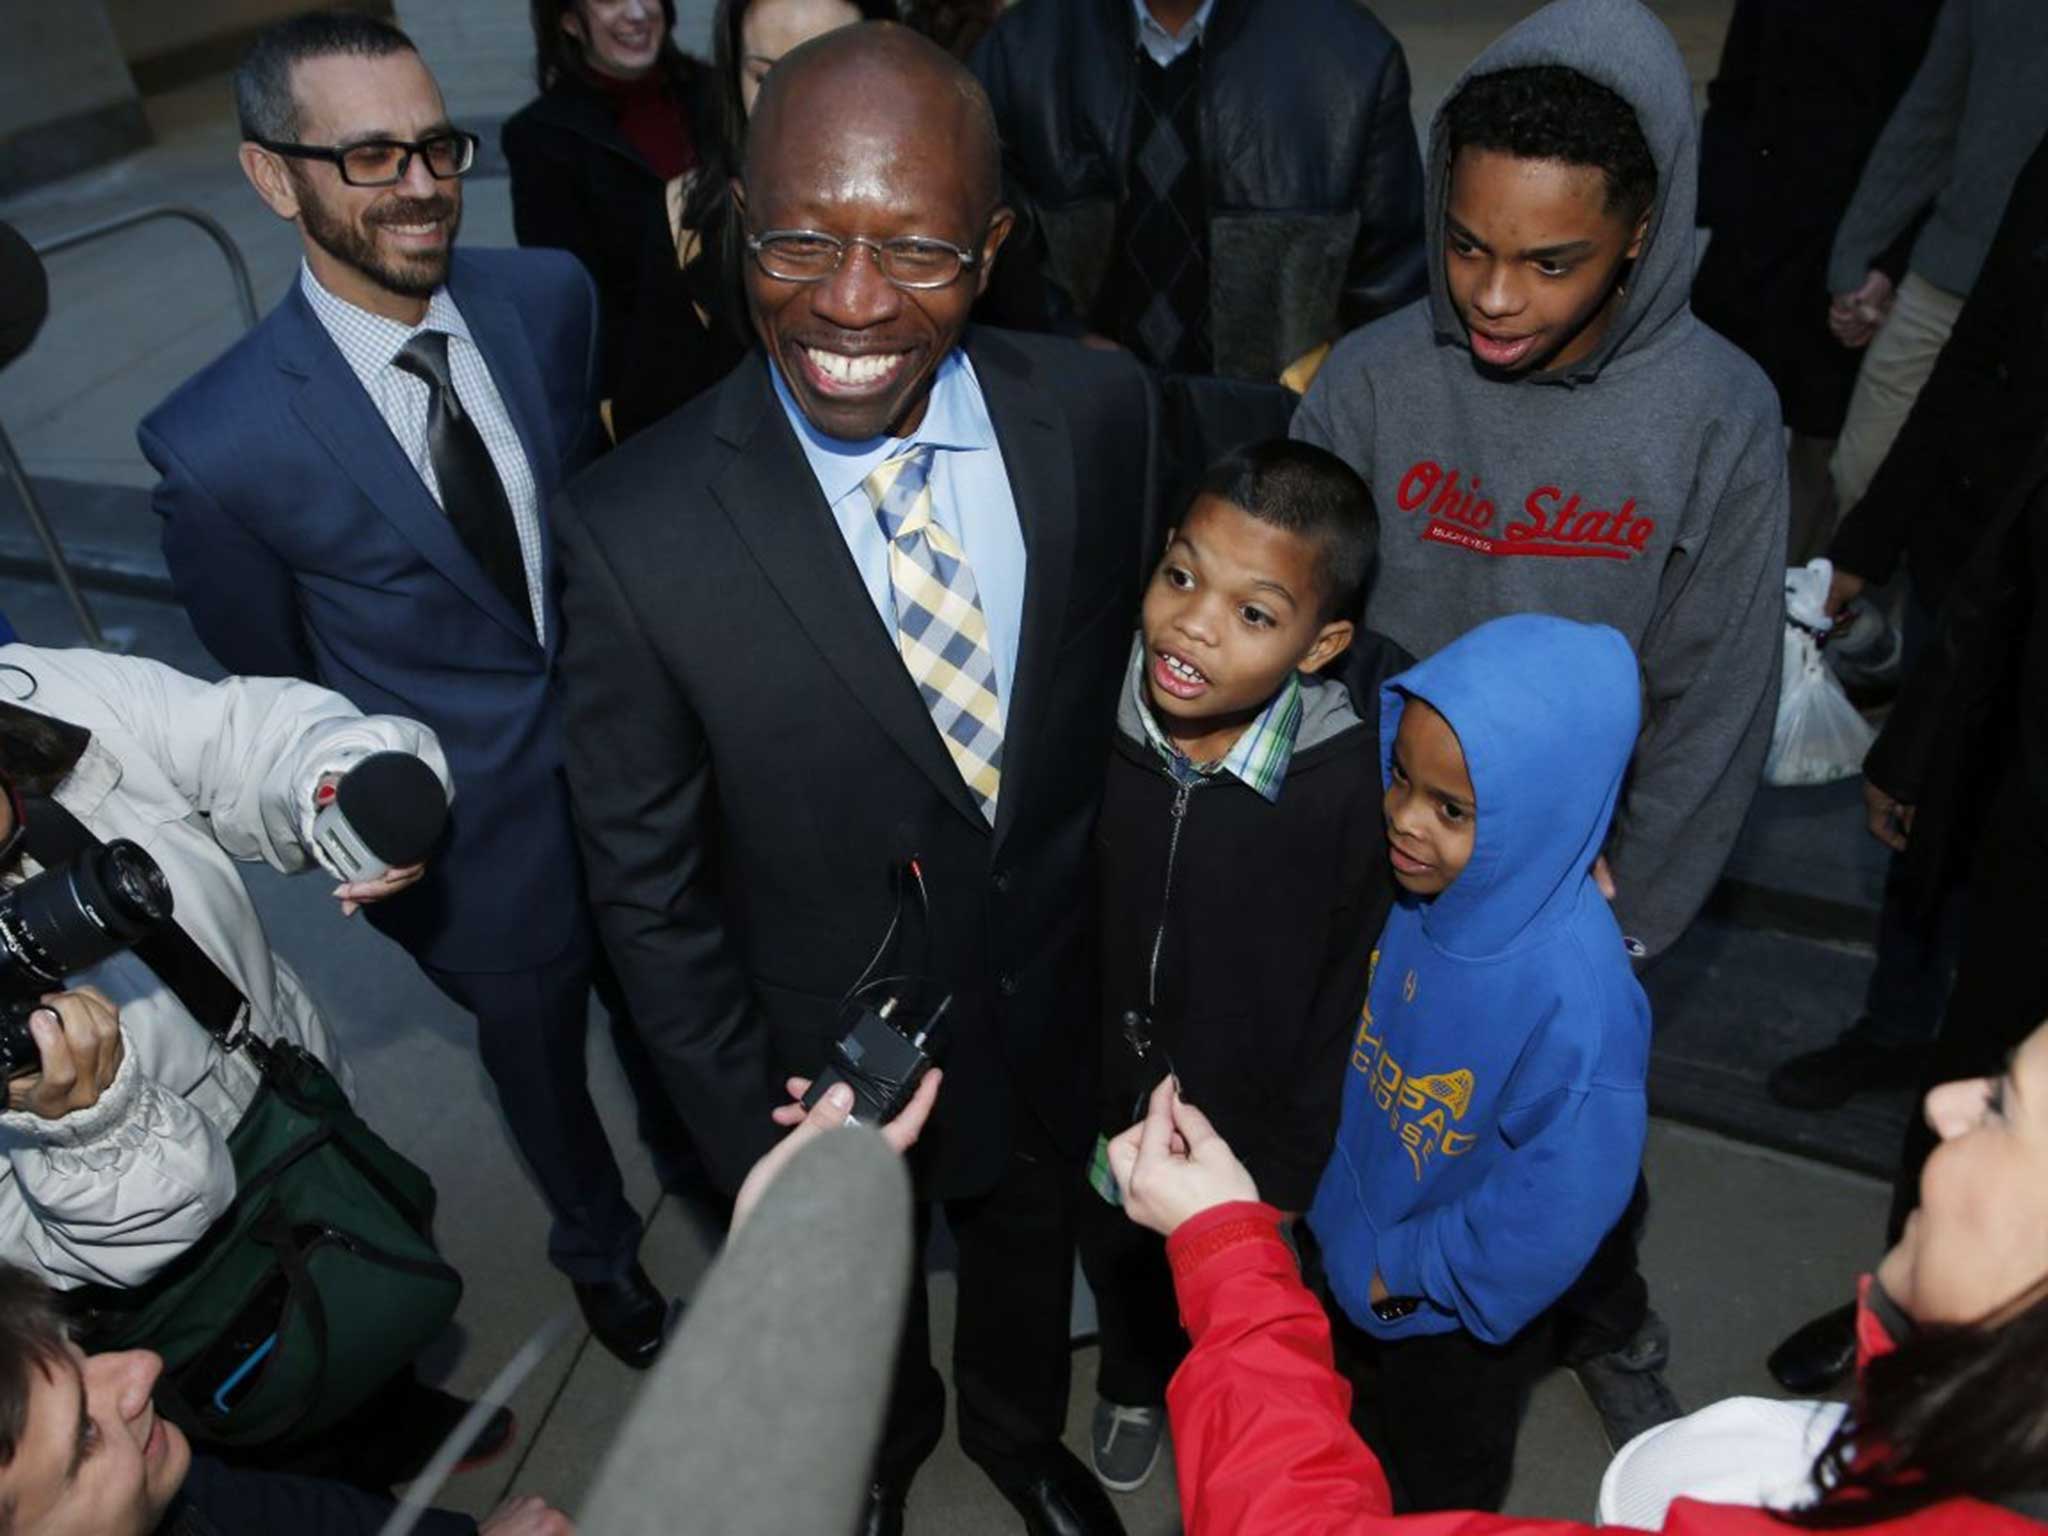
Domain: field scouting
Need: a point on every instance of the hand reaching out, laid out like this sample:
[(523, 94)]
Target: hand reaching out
[(1172, 1165), (361, 893), (828, 1114), (528, 1515)]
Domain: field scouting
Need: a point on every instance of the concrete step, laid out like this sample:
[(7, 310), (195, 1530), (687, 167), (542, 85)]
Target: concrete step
[(108, 533), (1729, 1004)]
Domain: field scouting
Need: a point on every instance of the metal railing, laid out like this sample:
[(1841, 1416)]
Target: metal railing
[(10, 461)]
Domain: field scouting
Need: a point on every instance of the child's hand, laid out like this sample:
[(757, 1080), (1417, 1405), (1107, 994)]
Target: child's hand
[(1173, 1165)]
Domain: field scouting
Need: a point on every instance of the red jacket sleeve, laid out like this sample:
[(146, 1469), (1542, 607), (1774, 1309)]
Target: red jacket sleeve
[(1262, 1432), (1261, 1428)]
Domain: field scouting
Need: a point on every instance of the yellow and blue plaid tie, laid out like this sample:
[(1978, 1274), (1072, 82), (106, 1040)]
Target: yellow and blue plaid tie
[(939, 625)]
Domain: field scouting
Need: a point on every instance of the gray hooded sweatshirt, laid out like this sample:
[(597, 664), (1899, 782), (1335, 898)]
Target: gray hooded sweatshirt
[(1643, 487)]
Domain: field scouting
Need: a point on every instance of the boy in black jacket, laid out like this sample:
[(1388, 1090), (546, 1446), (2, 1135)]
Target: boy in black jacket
[(1244, 874)]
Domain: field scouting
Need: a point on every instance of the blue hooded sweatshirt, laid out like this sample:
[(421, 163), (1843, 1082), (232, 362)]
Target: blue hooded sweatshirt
[(1493, 1114)]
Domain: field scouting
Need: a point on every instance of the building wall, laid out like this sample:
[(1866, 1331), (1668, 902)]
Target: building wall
[(67, 100), (149, 28)]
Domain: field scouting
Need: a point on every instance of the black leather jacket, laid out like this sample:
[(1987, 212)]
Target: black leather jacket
[(1313, 176)]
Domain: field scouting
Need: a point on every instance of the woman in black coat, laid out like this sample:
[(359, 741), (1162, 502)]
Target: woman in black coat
[(622, 113), (1800, 97)]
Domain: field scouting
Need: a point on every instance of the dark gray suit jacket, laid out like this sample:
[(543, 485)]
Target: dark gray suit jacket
[(749, 760)]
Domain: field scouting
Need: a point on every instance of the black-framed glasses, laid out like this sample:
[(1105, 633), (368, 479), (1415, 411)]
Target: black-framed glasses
[(384, 162), (910, 261)]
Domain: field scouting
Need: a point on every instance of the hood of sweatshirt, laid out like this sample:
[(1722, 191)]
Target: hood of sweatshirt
[(1546, 711), (1622, 46)]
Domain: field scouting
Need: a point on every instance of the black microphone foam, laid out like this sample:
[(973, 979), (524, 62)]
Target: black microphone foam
[(396, 805)]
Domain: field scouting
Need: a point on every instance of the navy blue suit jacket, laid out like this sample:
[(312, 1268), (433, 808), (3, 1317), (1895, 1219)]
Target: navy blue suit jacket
[(304, 543)]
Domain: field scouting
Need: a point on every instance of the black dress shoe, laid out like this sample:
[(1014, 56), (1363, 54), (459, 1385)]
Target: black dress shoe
[(1816, 1355), (884, 1513), (1065, 1500), (628, 1315), (1828, 1078)]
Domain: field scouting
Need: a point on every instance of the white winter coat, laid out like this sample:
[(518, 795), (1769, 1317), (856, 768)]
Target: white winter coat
[(199, 774)]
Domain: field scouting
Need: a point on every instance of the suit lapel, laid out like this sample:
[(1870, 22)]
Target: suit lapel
[(769, 494), (1039, 458), (339, 414)]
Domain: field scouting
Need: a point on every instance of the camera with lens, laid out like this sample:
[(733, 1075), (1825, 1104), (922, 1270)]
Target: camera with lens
[(63, 920)]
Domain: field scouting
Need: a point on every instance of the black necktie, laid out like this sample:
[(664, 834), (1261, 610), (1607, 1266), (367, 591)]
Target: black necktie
[(471, 493)]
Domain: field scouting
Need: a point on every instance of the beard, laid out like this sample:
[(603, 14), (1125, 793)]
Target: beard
[(355, 244)]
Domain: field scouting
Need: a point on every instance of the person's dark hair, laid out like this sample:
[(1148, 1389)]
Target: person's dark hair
[(1548, 112), (1311, 493), (955, 25), (37, 753), (264, 103), (557, 54), (729, 59), (1951, 1413), (32, 1338)]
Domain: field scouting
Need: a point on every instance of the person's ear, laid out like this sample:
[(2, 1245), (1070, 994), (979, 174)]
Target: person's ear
[(999, 227), (1332, 641), (271, 178), (572, 23), (1637, 240)]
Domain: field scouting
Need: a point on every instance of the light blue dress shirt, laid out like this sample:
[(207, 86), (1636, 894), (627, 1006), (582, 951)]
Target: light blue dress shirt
[(971, 500), (1164, 46)]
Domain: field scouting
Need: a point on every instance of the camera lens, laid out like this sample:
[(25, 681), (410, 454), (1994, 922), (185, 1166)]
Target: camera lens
[(133, 888), (76, 915)]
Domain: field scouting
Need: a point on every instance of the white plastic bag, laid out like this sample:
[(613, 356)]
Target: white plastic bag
[(1819, 736)]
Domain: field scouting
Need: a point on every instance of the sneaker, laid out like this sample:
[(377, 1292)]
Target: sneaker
[(1626, 1386), (1126, 1444)]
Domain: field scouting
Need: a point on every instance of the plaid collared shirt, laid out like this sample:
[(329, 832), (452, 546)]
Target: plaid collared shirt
[(1258, 759), (369, 342)]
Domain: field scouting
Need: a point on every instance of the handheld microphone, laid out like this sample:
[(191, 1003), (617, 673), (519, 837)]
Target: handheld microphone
[(387, 811)]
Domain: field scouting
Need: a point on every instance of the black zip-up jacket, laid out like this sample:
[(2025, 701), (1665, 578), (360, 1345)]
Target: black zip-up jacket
[(1312, 175), (1242, 931)]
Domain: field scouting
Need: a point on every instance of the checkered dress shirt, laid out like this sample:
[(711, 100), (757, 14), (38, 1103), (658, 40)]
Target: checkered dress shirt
[(369, 342), (1258, 759)]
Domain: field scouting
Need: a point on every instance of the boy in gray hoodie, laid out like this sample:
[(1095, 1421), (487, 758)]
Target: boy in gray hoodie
[(1551, 431)]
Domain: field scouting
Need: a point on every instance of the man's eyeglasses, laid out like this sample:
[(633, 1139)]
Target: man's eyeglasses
[(384, 162), (912, 261)]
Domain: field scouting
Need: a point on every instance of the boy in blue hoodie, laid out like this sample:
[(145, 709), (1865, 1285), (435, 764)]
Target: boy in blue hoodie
[(1493, 1115)]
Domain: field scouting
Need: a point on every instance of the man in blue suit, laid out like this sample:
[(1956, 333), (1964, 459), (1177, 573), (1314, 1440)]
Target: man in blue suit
[(356, 493)]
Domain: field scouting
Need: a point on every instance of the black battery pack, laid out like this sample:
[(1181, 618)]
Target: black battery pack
[(881, 1064)]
